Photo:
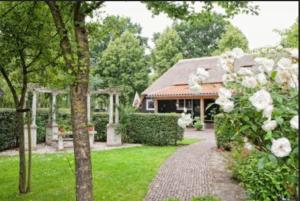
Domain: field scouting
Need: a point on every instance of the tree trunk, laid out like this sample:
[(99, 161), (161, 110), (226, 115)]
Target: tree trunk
[(29, 153), (22, 161), (84, 187), (84, 183)]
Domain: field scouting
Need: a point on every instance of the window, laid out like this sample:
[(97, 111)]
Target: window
[(150, 105), (183, 103)]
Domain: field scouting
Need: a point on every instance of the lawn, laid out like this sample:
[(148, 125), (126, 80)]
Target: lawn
[(119, 175)]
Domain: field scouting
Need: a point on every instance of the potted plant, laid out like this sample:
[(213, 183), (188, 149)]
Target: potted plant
[(91, 127), (61, 129), (197, 125)]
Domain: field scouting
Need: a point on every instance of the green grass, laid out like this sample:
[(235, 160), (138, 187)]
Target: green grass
[(118, 175)]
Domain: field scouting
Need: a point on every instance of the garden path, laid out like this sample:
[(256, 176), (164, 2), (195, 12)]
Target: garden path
[(195, 170)]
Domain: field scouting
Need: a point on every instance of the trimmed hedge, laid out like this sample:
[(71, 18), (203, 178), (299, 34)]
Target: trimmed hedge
[(224, 132), (153, 129), (7, 130), (145, 128)]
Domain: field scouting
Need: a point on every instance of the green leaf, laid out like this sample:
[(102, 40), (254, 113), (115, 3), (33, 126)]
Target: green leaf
[(272, 158), (261, 163), (268, 136)]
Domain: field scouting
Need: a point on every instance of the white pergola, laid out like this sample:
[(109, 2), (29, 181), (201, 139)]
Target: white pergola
[(52, 134)]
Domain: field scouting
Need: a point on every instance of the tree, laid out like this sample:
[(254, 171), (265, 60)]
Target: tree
[(167, 51), (290, 36), (200, 34), (123, 65), (22, 55), (232, 38)]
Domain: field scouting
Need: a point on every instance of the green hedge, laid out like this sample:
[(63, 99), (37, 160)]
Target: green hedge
[(7, 130), (224, 132), (100, 120), (153, 129)]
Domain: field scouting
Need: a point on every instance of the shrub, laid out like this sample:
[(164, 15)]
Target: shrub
[(198, 125), (263, 178), (260, 107), (100, 120), (7, 130), (154, 129)]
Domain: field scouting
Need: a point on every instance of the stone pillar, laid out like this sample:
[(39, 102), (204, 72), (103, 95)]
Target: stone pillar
[(113, 139), (117, 109), (88, 103), (111, 109), (33, 127), (155, 105), (52, 127), (202, 112), (60, 143)]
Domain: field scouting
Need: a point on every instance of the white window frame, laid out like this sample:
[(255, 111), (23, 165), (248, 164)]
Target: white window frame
[(184, 105), (147, 106)]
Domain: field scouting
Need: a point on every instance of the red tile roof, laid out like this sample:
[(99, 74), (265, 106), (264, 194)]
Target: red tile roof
[(184, 90)]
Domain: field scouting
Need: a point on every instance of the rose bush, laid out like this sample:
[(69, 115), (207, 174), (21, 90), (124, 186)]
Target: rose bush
[(263, 103)]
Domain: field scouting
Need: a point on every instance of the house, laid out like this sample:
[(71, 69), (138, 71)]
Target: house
[(171, 93)]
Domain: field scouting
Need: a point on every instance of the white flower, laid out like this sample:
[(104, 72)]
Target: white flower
[(221, 100), (196, 88), (245, 139), (261, 99), (202, 74), (248, 146), (282, 76), (261, 78), (294, 53), (184, 120), (264, 64), (284, 63), (249, 82), (269, 125), (224, 92), (228, 106), (281, 147), (268, 111), (244, 71), (294, 122), (237, 53)]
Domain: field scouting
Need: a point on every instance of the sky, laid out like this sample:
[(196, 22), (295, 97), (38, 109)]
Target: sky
[(258, 29)]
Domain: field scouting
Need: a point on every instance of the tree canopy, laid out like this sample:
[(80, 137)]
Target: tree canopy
[(200, 35), (290, 36), (231, 38), (123, 65), (167, 51)]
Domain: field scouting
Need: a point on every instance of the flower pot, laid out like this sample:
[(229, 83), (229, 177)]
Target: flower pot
[(62, 130), (90, 129)]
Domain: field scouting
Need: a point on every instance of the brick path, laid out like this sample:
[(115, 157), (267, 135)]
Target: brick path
[(195, 170)]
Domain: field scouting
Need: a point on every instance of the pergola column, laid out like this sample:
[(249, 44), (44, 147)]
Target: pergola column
[(111, 108), (52, 127), (202, 112), (53, 108), (117, 109), (155, 105), (33, 109), (88, 103)]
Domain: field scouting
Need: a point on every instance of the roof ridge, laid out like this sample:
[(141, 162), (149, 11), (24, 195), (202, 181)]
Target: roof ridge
[(197, 59)]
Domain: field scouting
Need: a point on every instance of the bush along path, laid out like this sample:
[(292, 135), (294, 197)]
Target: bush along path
[(193, 171)]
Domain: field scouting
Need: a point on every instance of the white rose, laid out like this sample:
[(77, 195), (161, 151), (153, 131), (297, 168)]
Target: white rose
[(249, 82), (224, 92), (184, 120), (281, 147), (294, 122), (261, 78), (269, 125), (261, 99), (228, 106), (294, 53), (268, 111), (284, 63), (237, 53), (181, 123), (244, 71), (221, 100), (264, 64), (196, 88), (282, 76), (202, 74), (248, 146)]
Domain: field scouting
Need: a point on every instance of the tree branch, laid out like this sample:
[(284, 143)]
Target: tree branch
[(62, 32), (92, 7), (9, 83)]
